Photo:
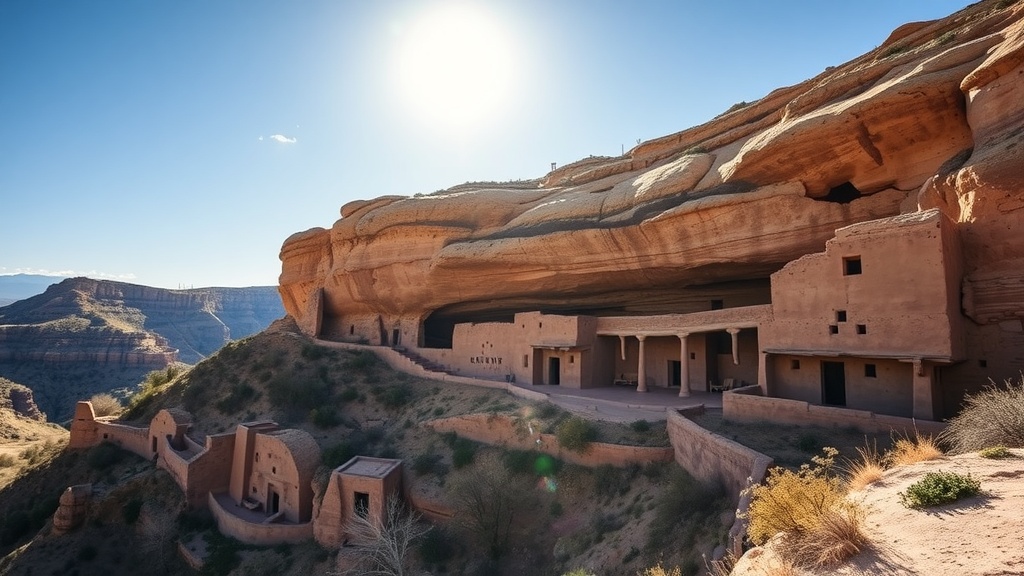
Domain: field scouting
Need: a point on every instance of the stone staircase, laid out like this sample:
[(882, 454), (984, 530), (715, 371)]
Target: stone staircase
[(428, 365)]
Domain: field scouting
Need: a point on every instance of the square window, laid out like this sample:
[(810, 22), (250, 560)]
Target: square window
[(833, 329), (693, 355), (870, 371), (717, 304), (981, 364), (794, 364), (362, 504), (862, 328), (851, 266), (840, 315)]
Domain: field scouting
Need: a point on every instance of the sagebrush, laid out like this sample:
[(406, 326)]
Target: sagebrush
[(992, 417), (937, 488)]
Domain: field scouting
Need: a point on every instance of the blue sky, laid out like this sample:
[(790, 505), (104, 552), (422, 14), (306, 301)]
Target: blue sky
[(179, 143)]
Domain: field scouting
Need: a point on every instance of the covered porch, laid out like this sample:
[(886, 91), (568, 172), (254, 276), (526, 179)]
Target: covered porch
[(699, 352)]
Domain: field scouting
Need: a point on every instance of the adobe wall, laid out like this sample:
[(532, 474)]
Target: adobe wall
[(84, 431), (713, 459), (328, 517), (135, 440), (889, 392), (258, 534), (899, 293), (503, 431), (275, 469), (747, 405)]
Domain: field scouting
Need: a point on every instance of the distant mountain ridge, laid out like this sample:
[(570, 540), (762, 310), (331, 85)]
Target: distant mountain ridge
[(83, 336), (14, 287)]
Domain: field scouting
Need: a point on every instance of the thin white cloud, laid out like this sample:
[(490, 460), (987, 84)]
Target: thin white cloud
[(67, 273), (283, 139)]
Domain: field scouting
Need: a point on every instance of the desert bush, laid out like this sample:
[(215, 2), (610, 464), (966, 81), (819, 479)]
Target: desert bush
[(910, 450), (104, 456), (382, 546), (939, 488), (992, 417), (426, 463), (995, 452), (362, 361), (393, 396), (324, 417), (684, 498), (105, 405), (808, 506), (640, 426), (296, 394), (610, 481), (489, 502), (576, 434), (579, 572), (240, 395), (436, 547), (660, 570), (6, 461), (463, 452)]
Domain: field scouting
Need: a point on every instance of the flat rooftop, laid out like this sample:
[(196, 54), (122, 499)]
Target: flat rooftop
[(369, 467)]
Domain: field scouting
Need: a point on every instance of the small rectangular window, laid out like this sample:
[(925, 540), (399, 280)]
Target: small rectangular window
[(981, 364), (870, 371), (833, 329), (862, 328), (362, 504), (840, 315), (851, 266), (693, 355), (572, 359), (717, 304), (526, 360), (794, 364)]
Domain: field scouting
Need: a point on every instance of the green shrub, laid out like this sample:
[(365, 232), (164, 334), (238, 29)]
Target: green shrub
[(104, 456), (463, 452), (808, 443), (992, 417), (239, 396), (348, 394), (640, 426), (995, 452), (131, 510), (576, 434), (393, 396), (362, 361), (324, 417), (939, 488), (425, 464), (519, 461)]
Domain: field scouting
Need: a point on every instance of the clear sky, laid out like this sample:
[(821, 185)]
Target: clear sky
[(179, 143)]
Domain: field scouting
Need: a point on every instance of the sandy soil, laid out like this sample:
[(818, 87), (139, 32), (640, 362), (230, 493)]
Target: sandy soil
[(975, 536), (18, 434)]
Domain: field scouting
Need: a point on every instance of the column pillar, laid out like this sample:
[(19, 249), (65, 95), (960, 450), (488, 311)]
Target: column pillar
[(924, 402), (734, 332), (622, 346), (641, 371), (684, 366), (762, 373)]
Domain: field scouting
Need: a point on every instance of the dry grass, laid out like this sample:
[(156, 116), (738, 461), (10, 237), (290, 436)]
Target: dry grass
[(867, 469), (105, 405), (909, 450), (992, 417), (838, 535), (660, 570)]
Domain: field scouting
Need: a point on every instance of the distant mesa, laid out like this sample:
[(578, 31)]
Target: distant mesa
[(83, 336)]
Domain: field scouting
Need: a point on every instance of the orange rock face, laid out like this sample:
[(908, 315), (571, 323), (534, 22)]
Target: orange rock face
[(933, 117)]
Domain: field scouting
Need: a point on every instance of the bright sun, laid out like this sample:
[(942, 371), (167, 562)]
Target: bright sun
[(455, 68)]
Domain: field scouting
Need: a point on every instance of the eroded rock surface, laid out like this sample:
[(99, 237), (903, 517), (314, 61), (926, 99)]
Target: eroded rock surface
[(932, 117)]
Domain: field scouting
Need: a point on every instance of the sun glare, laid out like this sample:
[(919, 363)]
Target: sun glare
[(455, 68)]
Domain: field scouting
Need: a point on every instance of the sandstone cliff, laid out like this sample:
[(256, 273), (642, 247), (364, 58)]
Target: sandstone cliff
[(83, 335), (931, 117), (18, 399)]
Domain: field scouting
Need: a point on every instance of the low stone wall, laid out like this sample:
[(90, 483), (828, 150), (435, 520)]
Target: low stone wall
[(713, 459), (258, 534), (500, 430), (748, 405), (401, 363)]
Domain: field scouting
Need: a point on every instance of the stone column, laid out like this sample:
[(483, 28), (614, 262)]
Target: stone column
[(924, 402), (684, 366), (762, 373), (622, 346), (734, 332), (641, 372)]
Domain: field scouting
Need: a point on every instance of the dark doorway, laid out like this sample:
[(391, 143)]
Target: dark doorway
[(273, 502), (396, 337), (154, 444), (554, 371), (833, 383), (362, 504), (674, 373)]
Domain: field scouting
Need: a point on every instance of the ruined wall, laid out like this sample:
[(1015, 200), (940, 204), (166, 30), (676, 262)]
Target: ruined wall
[(504, 431)]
